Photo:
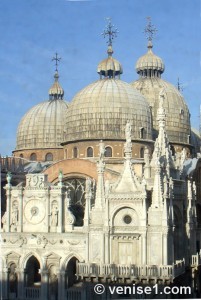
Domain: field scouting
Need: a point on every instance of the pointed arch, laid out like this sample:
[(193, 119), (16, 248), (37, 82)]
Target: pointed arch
[(70, 255), (33, 268), (24, 260)]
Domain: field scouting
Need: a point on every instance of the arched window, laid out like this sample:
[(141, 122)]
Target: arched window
[(172, 149), (33, 157), (70, 273), (142, 152), (75, 152), (33, 275), (21, 155), (108, 152), (90, 152), (49, 157), (141, 133)]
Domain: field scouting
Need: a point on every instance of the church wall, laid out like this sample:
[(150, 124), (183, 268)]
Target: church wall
[(58, 153), (71, 167), (117, 148)]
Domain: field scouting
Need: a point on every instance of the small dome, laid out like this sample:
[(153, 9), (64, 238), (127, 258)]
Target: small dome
[(177, 113), (56, 91), (109, 67), (42, 126), (102, 109), (150, 64)]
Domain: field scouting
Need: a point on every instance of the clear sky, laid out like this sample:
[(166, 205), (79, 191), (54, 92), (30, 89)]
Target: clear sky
[(31, 31)]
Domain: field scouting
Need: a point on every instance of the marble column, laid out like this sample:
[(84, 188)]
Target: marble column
[(44, 284), (4, 284), (61, 284), (21, 281)]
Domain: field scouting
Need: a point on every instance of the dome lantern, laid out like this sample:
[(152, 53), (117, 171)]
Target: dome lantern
[(150, 65), (109, 67), (56, 91)]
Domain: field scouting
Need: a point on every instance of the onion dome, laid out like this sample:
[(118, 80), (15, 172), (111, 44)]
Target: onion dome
[(109, 67), (43, 125), (150, 64), (56, 91), (102, 109)]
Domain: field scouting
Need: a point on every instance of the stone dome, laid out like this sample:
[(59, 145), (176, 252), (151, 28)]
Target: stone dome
[(101, 111), (177, 113), (43, 125), (150, 63)]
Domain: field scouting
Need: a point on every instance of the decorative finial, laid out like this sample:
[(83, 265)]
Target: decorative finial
[(179, 86), (110, 31), (161, 116), (128, 144), (150, 31), (128, 131), (57, 59), (8, 178), (101, 150), (60, 177)]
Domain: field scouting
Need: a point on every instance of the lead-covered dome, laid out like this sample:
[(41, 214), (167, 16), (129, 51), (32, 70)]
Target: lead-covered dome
[(43, 125), (150, 84), (150, 64), (102, 109)]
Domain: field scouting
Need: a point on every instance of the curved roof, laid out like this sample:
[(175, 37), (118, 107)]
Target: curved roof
[(109, 67), (42, 126), (150, 63), (101, 111), (177, 113)]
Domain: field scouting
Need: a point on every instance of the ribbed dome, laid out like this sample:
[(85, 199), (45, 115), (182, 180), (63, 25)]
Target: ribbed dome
[(178, 118), (42, 126), (109, 67), (101, 111), (56, 91), (150, 64)]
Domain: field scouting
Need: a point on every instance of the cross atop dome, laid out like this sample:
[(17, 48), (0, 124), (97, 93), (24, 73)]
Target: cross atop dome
[(56, 91), (150, 30), (57, 60), (110, 31)]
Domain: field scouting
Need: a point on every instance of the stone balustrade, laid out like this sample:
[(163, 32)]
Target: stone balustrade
[(31, 293), (12, 164), (129, 271), (75, 293), (196, 259)]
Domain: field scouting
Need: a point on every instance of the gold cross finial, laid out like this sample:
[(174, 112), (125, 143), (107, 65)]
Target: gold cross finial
[(110, 31), (150, 30), (57, 59)]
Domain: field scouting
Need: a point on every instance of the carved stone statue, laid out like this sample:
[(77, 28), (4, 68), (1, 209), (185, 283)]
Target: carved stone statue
[(128, 132), (14, 216), (54, 215), (70, 218), (101, 150), (9, 177)]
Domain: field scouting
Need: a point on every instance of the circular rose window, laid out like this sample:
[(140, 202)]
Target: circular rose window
[(127, 219)]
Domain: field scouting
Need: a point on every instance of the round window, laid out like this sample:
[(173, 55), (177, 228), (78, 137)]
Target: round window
[(127, 219)]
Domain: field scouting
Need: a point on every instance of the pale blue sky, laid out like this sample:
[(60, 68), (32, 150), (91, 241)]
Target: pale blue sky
[(32, 31)]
